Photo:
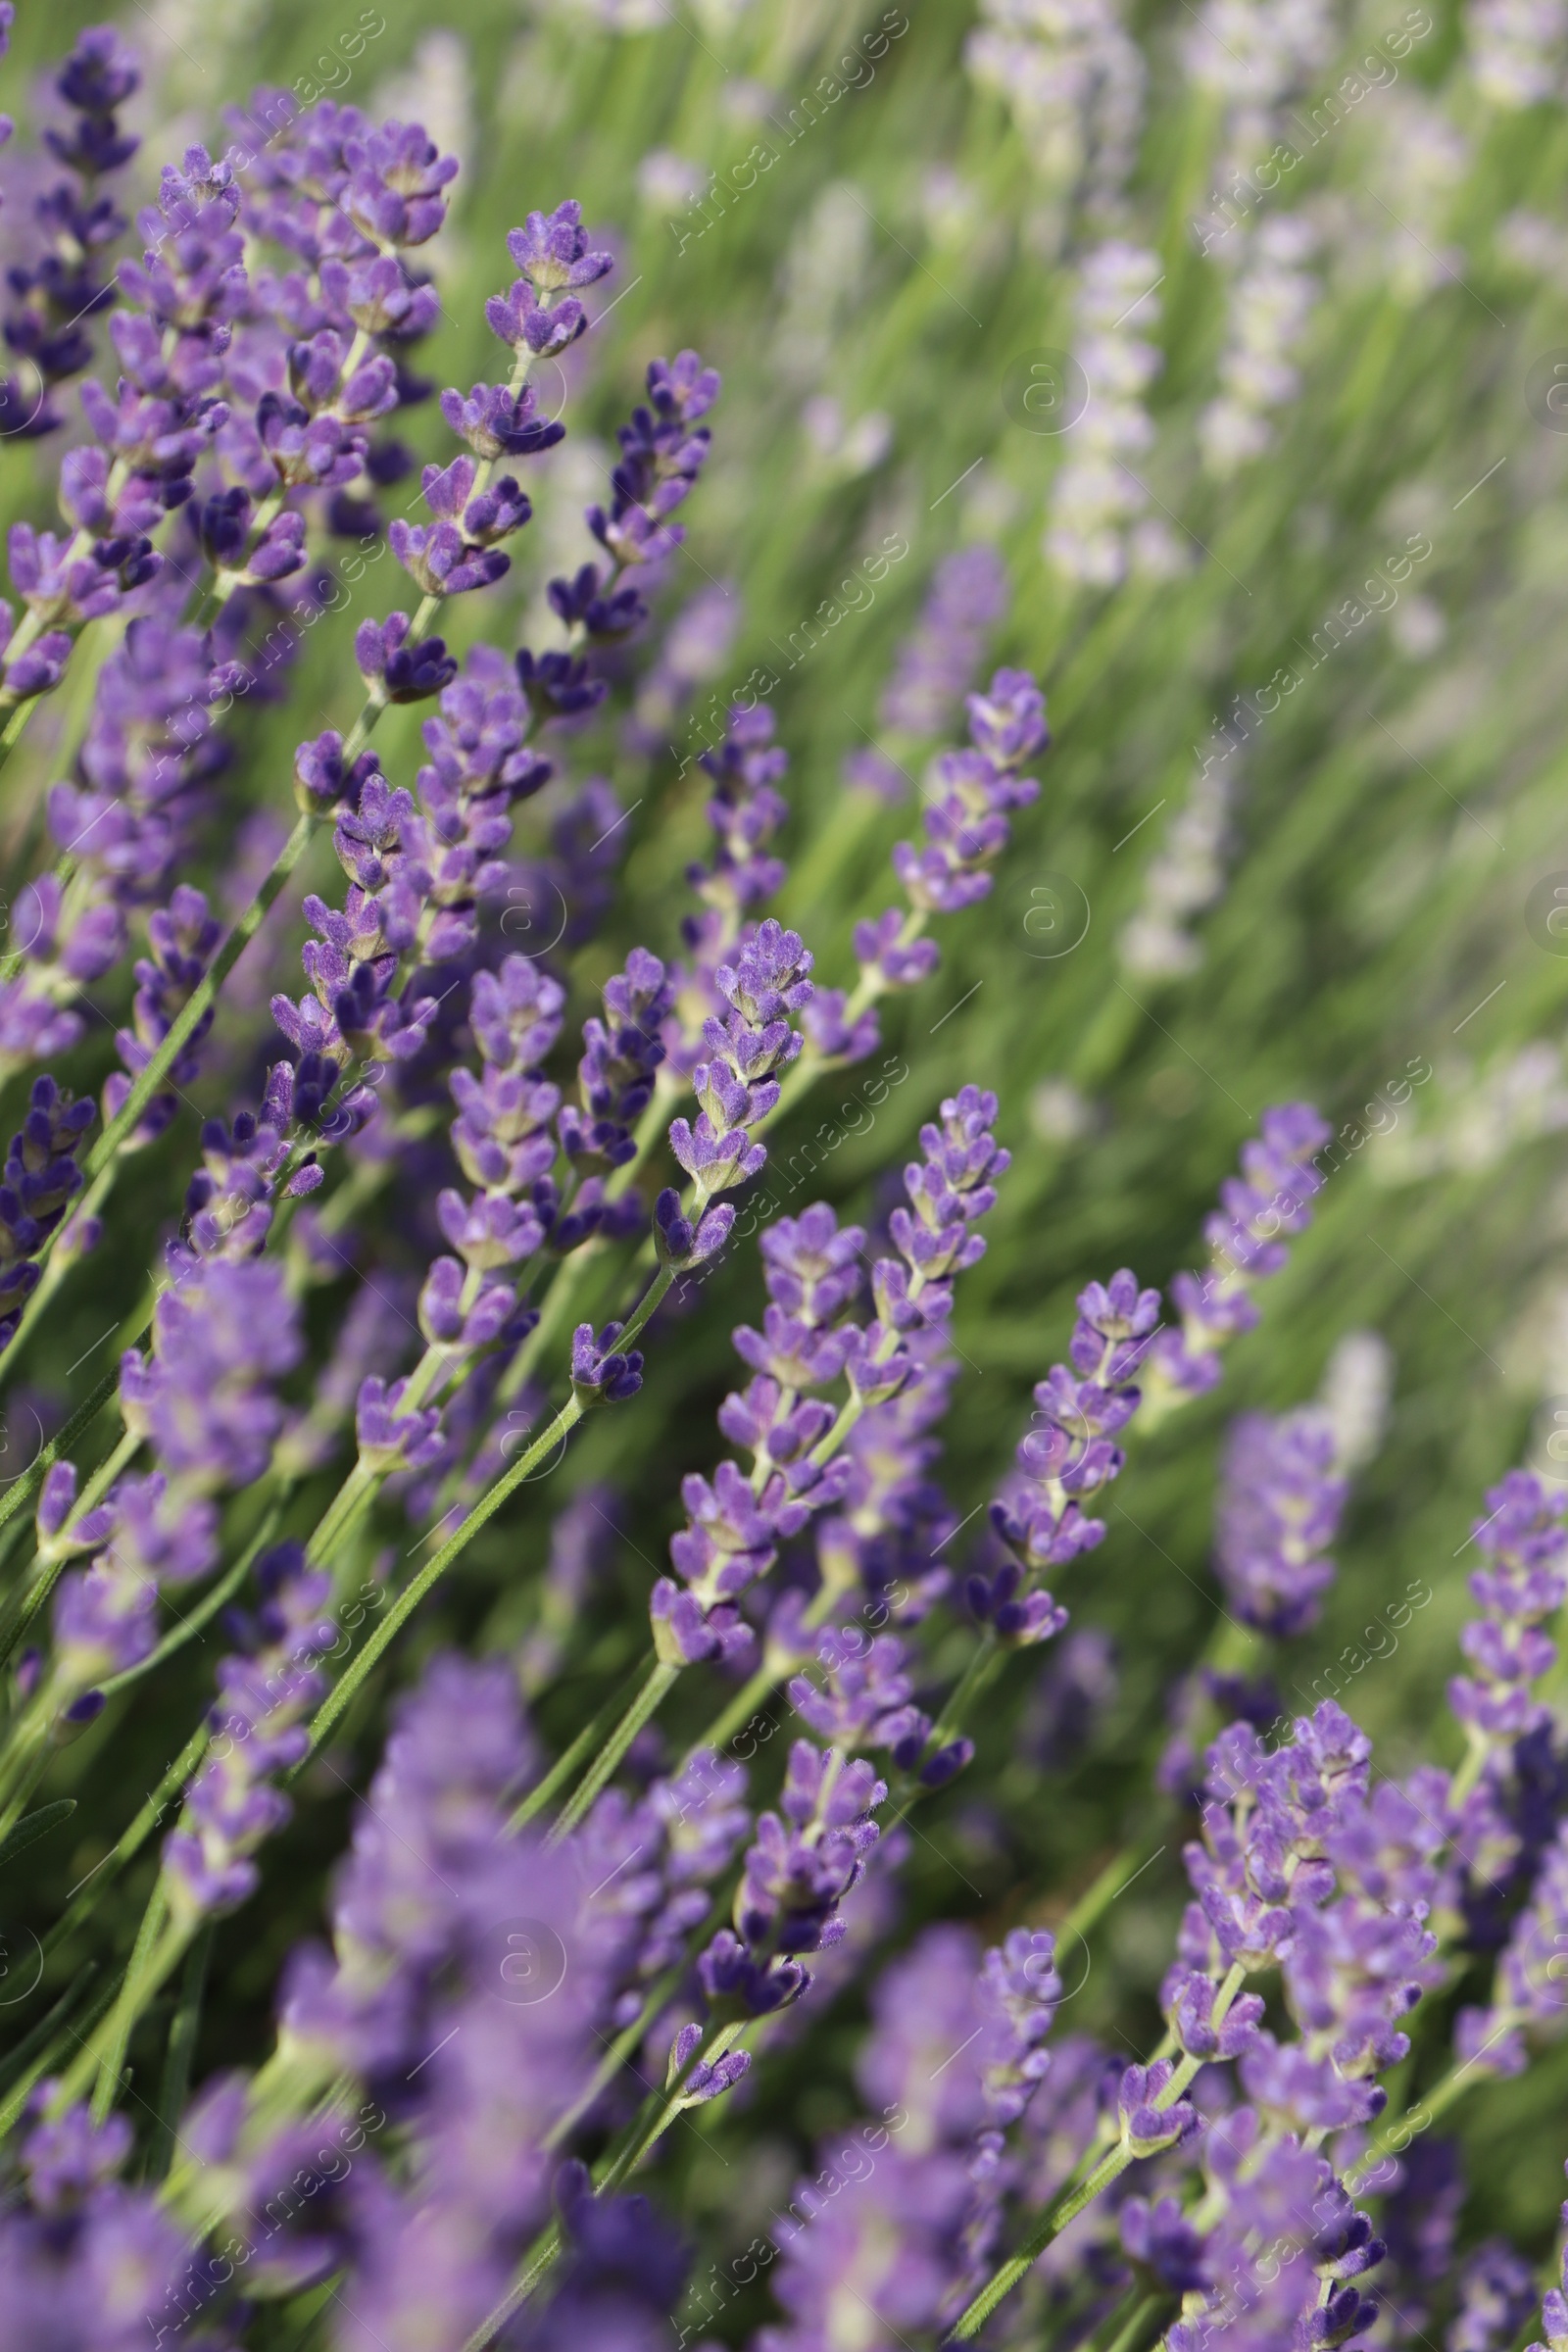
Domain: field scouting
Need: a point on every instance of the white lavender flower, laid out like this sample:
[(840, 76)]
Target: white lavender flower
[(1099, 527), (1414, 159), (1518, 50), (1073, 82), (1269, 303), (1353, 1397), (1185, 878), (1256, 56)]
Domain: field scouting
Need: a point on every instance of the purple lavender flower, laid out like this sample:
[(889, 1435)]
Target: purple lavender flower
[(1271, 1197), (899, 2223), (647, 1864), (86, 2259), (1527, 1992), (813, 1272), (1496, 2295), (1524, 1540), (1069, 1456), (39, 1180), (746, 810), (53, 296), (796, 1877), (1554, 2308), (1278, 1508), (601, 1373), (151, 753), (768, 979), (266, 1689), (936, 662), (661, 455), (541, 313), (965, 822)]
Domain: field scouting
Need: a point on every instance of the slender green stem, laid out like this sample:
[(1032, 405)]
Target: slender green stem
[(658, 2112), (207, 1607), (61, 1261), (333, 1706), (985, 1660), (127, 2008), (181, 2052), (1098, 1897), (753, 1692), (485, 1509), (150, 1079), (26, 1483), (566, 1765), (660, 1681), (1135, 2326), (615, 2056), (244, 930), (16, 2061), (45, 2058), (92, 1890), (35, 1592), (1396, 2131), (1077, 2196), (33, 1826), (29, 1763)]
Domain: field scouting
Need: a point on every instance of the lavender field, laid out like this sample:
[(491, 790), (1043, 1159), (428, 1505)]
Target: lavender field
[(784, 1239)]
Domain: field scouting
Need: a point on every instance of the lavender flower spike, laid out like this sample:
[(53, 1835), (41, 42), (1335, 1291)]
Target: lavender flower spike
[(1066, 1456), (768, 980), (1270, 1198)]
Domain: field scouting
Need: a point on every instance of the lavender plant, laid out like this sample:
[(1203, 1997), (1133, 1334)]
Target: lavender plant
[(515, 1831)]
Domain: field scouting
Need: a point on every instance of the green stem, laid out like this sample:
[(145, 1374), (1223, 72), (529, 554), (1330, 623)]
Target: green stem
[(16, 2061), (208, 1606), (26, 1483), (565, 1766), (129, 2007), (752, 1694), (660, 2109), (27, 1766), (337, 1700), (1135, 2325), (485, 1509), (985, 1659), (131, 1839), (181, 2052), (659, 1681), (1078, 2197), (47, 2060), (1396, 2132), (61, 1262), (245, 927), (615, 2056)]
